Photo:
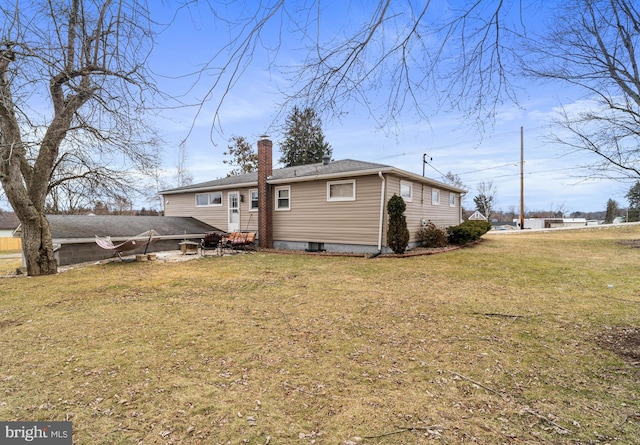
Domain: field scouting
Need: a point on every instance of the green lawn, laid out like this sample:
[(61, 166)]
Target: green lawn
[(494, 344)]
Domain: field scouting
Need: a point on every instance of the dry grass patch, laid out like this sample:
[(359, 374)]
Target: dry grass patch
[(9, 263), (499, 343)]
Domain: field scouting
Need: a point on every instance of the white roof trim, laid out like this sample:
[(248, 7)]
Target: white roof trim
[(328, 176), (374, 171), (209, 188)]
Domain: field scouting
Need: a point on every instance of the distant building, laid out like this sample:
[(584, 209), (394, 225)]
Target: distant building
[(8, 223), (477, 216), (554, 223)]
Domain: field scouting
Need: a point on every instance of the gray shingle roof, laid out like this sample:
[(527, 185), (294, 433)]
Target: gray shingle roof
[(87, 226), (299, 171), (8, 221)]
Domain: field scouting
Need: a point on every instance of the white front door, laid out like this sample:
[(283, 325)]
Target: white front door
[(234, 212)]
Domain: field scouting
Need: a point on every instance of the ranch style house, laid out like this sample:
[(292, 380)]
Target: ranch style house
[(333, 206)]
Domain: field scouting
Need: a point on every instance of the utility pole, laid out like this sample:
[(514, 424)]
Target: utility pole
[(424, 161), (521, 178)]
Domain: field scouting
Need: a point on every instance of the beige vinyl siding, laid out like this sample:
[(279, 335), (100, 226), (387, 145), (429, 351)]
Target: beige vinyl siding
[(313, 219), (421, 207), (217, 216)]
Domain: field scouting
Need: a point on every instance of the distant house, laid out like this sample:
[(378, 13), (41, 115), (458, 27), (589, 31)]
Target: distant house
[(74, 235), (336, 206), (477, 216)]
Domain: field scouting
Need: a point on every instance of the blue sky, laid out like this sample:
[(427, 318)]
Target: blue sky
[(553, 177)]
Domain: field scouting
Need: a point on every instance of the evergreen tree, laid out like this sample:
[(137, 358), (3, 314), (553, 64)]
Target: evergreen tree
[(242, 155), (634, 203), (303, 139), (397, 233), (612, 211)]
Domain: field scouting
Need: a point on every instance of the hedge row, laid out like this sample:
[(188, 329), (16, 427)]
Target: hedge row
[(468, 231)]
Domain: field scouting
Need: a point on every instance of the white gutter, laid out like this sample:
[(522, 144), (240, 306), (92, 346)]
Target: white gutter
[(328, 176), (213, 188), (387, 170), (382, 187)]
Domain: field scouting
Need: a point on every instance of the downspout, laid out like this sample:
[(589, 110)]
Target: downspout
[(382, 190)]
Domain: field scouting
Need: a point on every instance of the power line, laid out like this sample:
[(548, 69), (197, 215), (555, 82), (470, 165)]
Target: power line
[(529, 173), (458, 144)]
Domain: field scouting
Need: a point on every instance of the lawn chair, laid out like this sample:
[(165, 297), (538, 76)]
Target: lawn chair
[(211, 241)]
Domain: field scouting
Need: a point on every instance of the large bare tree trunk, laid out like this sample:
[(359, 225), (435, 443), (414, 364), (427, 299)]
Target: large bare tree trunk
[(87, 58), (36, 240), (26, 186)]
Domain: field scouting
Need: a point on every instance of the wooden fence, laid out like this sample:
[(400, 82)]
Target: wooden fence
[(10, 243)]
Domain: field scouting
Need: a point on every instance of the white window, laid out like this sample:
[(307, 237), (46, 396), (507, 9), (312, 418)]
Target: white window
[(435, 197), (253, 196), (406, 191), (452, 199), (283, 198), (208, 199), (341, 190)]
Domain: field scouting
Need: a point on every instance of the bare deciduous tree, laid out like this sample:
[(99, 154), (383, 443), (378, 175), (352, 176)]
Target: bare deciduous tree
[(183, 176), (72, 92), (392, 56), (454, 180), (421, 57), (485, 198), (594, 46)]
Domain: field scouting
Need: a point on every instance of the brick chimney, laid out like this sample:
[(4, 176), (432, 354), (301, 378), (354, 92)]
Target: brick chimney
[(265, 203)]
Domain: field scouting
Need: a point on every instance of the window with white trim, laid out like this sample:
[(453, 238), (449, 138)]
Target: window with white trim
[(452, 199), (253, 198), (208, 199), (406, 190), (435, 197), (341, 190), (283, 198)]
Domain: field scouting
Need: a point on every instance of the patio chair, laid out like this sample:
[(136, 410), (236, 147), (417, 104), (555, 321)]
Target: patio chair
[(211, 241)]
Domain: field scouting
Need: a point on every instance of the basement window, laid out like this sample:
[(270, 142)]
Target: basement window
[(315, 247)]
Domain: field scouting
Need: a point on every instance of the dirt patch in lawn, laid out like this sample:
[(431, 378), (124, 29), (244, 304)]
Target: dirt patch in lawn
[(631, 243), (624, 341)]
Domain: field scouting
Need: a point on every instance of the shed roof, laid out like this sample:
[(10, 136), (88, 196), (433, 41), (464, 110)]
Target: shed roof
[(87, 226), (8, 221)]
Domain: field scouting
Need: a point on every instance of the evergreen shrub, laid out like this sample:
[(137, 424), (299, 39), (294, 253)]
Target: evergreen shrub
[(467, 232), (397, 233)]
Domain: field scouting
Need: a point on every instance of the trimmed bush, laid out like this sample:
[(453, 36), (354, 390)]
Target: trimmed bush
[(397, 233), (467, 232), (432, 236)]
